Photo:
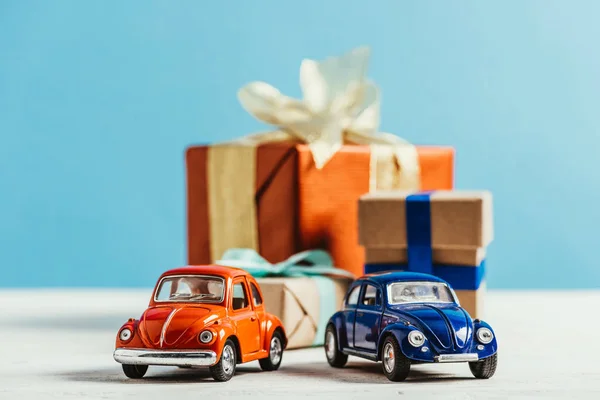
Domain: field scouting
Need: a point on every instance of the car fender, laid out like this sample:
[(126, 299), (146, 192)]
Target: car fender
[(225, 330), (489, 349), (337, 320), (400, 331), (136, 339), (222, 329), (272, 324), (482, 324)]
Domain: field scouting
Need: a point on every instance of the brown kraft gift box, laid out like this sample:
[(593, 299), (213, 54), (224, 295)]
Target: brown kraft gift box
[(298, 207), (461, 229)]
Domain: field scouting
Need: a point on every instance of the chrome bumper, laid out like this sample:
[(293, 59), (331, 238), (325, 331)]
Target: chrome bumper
[(449, 358), (180, 358)]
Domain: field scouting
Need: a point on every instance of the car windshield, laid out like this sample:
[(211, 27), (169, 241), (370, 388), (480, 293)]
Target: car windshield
[(419, 292), (192, 288)]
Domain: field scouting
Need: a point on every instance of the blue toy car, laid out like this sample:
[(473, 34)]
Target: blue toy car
[(404, 318)]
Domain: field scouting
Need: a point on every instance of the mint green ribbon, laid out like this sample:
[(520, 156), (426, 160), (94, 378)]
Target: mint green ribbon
[(320, 269)]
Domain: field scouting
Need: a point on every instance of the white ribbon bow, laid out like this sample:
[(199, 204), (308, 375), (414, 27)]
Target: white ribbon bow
[(340, 105)]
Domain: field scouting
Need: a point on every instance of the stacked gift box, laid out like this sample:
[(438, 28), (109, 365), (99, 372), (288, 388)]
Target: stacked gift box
[(296, 207), (444, 233), (291, 189)]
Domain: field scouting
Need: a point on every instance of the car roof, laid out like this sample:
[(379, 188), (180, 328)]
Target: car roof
[(210, 269), (386, 277)]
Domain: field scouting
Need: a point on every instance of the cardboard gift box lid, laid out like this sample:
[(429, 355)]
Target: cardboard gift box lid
[(457, 218)]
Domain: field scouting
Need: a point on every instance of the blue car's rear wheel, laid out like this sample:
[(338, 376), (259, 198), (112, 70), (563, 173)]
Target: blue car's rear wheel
[(395, 364), (335, 357), (484, 369)]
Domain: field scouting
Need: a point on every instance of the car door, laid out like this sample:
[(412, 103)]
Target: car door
[(368, 318), (349, 311), (259, 308), (244, 317)]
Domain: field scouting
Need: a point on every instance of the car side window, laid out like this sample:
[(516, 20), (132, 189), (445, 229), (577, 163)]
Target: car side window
[(240, 297), (371, 296), (352, 298), (255, 295)]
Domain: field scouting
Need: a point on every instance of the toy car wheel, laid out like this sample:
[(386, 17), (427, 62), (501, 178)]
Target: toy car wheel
[(273, 361), (225, 368), (135, 371), (395, 364), (484, 369), (335, 357)]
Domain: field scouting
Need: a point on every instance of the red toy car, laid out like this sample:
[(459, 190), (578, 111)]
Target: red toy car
[(202, 316)]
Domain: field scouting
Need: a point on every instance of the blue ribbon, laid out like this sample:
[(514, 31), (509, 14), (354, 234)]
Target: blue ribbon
[(460, 277), (320, 270), (418, 232)]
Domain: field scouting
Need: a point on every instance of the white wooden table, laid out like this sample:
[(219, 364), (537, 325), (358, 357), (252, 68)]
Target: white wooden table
[(58, 344)]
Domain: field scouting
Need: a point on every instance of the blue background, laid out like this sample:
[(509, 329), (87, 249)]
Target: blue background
[(98, 101)]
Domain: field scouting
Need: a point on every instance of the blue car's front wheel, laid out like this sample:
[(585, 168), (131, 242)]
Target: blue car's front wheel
[(395, 364), (484, 369)]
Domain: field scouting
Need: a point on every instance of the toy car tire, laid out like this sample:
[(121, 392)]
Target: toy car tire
[(484, 369), (395, 364), (334, 356), (134, 371), (275, 349), (225, 368)]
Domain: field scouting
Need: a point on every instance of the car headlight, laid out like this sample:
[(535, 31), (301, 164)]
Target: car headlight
[(205, 336), (484, 335), (416, 338), (125, 334)]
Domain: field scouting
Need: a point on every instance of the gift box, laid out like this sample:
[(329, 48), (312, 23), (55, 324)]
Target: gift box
[(444, 233), (303, 291), (292, 206), (304, 305), (296, 187)]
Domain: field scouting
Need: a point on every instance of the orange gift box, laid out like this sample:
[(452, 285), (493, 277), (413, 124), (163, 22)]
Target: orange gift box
[(296, 205)]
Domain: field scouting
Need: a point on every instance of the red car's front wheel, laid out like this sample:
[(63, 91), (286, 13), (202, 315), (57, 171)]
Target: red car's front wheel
[(225, 368), (135, 371)]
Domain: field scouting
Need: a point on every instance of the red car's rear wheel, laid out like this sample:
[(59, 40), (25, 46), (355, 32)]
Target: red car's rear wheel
[(273, 361)]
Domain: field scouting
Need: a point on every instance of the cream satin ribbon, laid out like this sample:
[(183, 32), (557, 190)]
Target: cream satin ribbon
[(339, 106)]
